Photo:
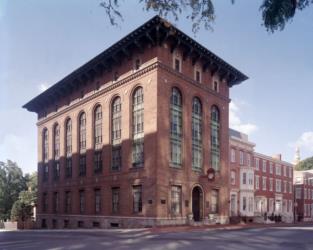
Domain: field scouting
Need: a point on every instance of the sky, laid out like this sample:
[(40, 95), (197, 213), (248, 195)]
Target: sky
[(43, 41)]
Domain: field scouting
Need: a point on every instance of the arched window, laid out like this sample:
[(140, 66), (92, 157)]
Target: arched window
[(138, 127), (56, 142), (176, 127), (116, 123), (68, 141), (82, 132), (45, 143), (196, 134), (215, 138), (97, 126), (56, 164), (68, 137)]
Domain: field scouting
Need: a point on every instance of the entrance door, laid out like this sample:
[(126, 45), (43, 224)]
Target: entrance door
[(197, 203), (233, 202)]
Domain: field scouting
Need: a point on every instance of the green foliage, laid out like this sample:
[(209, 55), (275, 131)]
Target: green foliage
[(275, 13), (12, 183), (306, 164)]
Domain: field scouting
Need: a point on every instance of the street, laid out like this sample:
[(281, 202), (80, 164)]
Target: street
[(298, 237)]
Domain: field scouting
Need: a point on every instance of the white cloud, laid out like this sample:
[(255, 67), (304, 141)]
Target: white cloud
[(305, 141), (235, 121), (43, 87)]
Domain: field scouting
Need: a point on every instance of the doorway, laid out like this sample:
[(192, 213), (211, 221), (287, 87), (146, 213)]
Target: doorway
[(197, 200)]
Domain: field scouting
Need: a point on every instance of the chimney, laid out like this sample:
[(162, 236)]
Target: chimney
[(277, 157)]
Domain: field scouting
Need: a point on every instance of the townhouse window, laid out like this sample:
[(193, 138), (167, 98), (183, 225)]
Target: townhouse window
[(271, 167), (233, 155), (278, 169), (248, 160), (285, 186), (278, 185), (271, 184), (45, 145), (115, 199), (68, 138), (264, 166), (137, 199), (176, 200), (215, 138), (116, 121), (55, 202), (82, 165), (257, 182), (56, 142), (67, 203), (250, 204), (97, 162), (82, 201), (241, 157), (45, 172), (305, 193), (216, 86), (176, 128), (68, 168), (138, 128), (82, 133), (214, 201), (97, 194), (117, 158), (197, 74), (290, 173), (56, 170), (196, 134), (45, 202), (137, 64), (177, 61), (264, 183), (233, 177), (244, 178), (244, 203), (284, 171), (250, 179), (257, 163), (290, 188), (97, 127), (298, 193)]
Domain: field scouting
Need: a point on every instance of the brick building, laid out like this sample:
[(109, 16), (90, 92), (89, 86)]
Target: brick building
[(273, 187), (303, 188), (137, 136), (241, 175)]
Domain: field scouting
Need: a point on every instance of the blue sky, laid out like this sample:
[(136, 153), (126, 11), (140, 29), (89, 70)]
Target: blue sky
[(43, 41)]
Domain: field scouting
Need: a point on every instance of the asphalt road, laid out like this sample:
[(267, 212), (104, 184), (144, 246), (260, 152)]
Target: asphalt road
[(297, 238)]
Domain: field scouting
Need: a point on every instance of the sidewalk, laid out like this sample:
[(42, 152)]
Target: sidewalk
[(173, 229)]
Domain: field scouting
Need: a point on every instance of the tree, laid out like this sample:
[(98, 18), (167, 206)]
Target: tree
[(275, 13), (22, 208), (306, 164), (12, 183)]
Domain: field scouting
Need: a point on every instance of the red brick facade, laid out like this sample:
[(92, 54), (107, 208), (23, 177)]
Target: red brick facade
[(157, 192)]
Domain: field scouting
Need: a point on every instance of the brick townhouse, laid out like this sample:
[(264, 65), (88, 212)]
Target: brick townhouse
[(273, 187), (137, 136), (241, 175), (303, 187)]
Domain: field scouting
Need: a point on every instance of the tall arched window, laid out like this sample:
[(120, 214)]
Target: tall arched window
[(176, 127), (56, 140), (116, 123), (68, 148), (45, 143), (82, 144), (97, 126), (215, 138), (45, 155), (56, 165), (138, 127), (196, 134), (82, 132)]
